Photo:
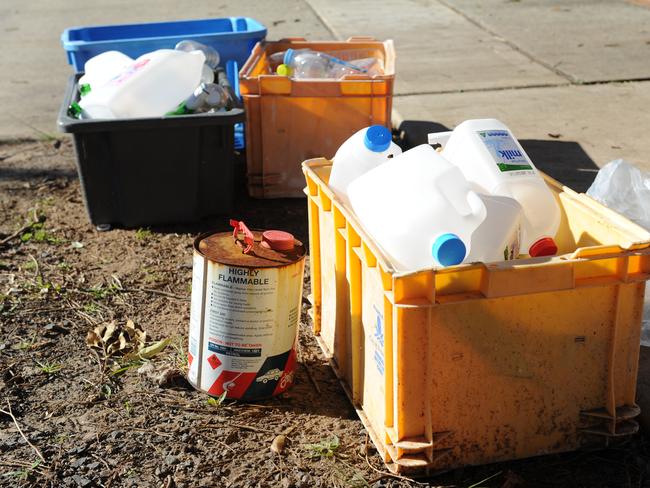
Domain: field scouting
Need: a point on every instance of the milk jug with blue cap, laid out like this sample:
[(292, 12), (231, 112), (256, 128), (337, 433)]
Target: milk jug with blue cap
[(362, 152), (419, 209)]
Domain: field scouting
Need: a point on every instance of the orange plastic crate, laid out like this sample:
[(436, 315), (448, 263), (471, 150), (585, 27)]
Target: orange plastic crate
[(289, 121)]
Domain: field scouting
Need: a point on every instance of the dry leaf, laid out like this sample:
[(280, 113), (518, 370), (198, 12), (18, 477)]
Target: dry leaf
[(277, 446), (93, 339), (113, 339)]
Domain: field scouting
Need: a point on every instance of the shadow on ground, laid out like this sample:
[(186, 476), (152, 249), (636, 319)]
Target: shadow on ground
[(564, 161)]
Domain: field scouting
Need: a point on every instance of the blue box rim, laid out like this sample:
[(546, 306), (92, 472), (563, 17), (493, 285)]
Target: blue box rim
[(73, 45)]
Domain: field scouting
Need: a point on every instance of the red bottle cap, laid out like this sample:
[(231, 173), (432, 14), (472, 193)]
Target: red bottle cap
[(544, 247), (278, 240)]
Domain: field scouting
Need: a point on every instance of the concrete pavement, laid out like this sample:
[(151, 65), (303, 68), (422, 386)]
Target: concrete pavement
[(529, 62)]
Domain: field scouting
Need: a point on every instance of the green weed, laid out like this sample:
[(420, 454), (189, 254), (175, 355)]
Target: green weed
[(143, 234), (179, 356), (101, 292), (49, 368), (24, 473), (124, 367), (217, 402), (37, 233), (91, 308), (324, 449), (26, 345)]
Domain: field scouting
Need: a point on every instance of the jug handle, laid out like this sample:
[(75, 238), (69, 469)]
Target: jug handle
[(466, 202), (439, 138)]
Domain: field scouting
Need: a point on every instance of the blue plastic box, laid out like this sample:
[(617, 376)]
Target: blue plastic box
[(233, 37)]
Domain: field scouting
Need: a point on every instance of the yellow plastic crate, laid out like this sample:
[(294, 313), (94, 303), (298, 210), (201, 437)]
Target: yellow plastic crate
[(480, 363)]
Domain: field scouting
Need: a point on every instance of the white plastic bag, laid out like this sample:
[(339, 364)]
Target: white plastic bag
[(623, 187)]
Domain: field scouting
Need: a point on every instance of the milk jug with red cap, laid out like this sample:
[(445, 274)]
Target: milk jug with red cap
[(496, 164)]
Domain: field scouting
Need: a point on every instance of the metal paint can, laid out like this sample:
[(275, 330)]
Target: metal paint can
[(246, 301)]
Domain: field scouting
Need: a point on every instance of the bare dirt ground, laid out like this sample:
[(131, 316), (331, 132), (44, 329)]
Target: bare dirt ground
[(71, 416)]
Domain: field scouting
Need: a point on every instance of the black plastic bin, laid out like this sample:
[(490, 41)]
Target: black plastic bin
[(142, 172)]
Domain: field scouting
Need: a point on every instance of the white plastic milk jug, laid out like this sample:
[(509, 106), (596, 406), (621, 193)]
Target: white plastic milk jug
[(362, 152), (151, 86), (498, 238), (101, 68), (492, 159), (419, 208)]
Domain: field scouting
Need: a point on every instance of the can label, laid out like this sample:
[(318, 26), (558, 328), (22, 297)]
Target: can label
[(243, 328)]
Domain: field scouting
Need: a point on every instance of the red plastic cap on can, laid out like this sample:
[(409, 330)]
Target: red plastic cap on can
[(278, 240), (544, 247)]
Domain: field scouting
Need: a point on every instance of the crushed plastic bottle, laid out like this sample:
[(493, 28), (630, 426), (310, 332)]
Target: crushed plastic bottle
[(307, 63), (624, 188), (212, 57)]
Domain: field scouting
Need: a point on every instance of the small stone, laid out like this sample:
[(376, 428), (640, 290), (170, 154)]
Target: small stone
[(277, 446), (94, 465), (81, 481), (147, 369), (116, 434), (169, 377), (89, 438), (79, 462), (171, 460)]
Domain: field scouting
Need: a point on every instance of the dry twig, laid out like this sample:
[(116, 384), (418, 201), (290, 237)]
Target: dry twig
[(11, 414), (311, 378)]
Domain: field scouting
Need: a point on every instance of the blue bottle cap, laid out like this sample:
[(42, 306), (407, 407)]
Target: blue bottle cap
[(288, 56), (377, 138), (448, 250)]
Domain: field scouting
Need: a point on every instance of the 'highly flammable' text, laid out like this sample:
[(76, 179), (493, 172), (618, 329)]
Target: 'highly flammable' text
[(243, 276)]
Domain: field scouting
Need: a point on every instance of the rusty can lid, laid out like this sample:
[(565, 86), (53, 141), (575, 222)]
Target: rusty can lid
[(222, 248), (278, 240)]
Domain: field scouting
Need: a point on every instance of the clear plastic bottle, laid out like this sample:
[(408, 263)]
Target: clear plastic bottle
[(212, 57), (362, 152), (419, 208), (306, 63)]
